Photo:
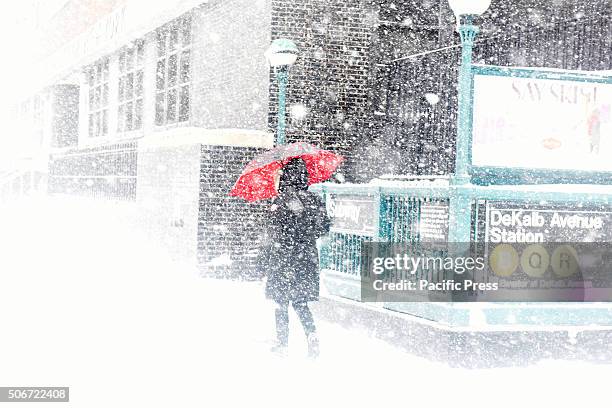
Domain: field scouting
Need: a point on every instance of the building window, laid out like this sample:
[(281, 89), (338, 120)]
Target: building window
[(97, 80), (131, 64), (173, 72)]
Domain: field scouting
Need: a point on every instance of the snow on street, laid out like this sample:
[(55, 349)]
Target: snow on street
[(88, 301)]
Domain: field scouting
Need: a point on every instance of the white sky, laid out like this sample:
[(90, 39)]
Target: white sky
[(18, 25), (18, 40)]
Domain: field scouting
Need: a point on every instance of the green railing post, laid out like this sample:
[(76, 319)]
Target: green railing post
[(460, 216), (468, 33), (282, 75), (382, 231), (460, 210), (324, 249)]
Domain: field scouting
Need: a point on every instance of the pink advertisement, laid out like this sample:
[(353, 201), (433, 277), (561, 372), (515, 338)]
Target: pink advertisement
[(542, 123)]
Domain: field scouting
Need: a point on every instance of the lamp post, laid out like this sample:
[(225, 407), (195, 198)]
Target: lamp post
[(281, 54), (461, 204)]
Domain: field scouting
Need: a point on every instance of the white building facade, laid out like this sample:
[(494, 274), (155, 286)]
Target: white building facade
[(161, 103)]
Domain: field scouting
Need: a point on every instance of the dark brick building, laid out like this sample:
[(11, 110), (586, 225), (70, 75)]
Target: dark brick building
[(367, 65)]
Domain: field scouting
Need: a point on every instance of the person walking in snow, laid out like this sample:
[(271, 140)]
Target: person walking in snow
[(297, 218)]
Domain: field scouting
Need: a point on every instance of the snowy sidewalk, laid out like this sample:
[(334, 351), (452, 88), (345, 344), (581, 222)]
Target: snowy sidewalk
[(88, 303)]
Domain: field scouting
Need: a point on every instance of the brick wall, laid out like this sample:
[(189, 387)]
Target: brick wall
[(344, 75), (184, 180), (65, 117), (229, 227), (570, 35), (331, 77), (230, 91), (230, 86)]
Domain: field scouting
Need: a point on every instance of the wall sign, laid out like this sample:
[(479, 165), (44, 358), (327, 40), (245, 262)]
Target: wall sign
[(125, 23), (507, 224), (433, 222), (542, 123), (353, 214), (547, 253)]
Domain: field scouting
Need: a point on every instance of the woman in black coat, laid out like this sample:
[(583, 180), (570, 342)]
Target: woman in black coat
[(297, 218)]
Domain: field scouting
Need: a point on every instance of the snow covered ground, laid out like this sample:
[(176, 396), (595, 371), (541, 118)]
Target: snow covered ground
[(88, 301)]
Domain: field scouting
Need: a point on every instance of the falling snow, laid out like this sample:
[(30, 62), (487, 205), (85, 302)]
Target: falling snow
[(145, 206)]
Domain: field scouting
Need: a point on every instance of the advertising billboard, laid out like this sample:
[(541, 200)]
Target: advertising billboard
[(535, 123)]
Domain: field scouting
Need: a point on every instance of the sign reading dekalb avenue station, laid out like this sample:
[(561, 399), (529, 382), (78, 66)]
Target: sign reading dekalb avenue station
[(521, 225)]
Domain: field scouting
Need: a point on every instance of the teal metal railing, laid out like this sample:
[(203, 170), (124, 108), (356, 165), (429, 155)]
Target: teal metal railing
[(398, 222), (344, 253), (401, 212)]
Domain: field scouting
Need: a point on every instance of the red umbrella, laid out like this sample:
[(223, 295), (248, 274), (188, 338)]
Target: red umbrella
[(257, 179)]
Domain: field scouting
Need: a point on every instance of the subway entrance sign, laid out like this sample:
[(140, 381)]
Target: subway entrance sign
[(516, 223), (353, 214)]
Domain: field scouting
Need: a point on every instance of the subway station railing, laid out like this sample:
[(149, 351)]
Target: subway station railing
[(457, 209), (396, 214)]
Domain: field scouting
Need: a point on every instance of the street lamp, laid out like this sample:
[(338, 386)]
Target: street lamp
[(465, 11), (460, 210), (281, 54), (469, 7)]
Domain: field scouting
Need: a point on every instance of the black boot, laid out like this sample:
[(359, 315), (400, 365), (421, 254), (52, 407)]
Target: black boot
[(282, 331), (280, 349), (313, 345)]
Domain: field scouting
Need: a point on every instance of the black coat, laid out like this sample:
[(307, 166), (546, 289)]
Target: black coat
[(296, 219)]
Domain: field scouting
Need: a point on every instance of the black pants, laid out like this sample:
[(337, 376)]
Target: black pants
[(282, 320)]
